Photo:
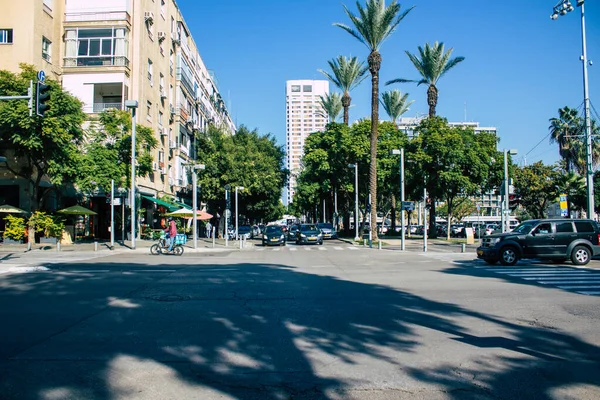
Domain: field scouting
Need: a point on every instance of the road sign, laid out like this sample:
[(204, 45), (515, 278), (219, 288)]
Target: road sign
[(408, 205), (41, 76)]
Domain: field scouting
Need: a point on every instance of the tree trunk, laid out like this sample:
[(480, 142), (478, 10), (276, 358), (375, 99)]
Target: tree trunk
[(346, 100), (374, 60), (393, 213), (432, 227), (432, 97)]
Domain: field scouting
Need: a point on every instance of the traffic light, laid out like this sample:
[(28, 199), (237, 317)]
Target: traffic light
[(41, 97), (513, 201), (428, 203)]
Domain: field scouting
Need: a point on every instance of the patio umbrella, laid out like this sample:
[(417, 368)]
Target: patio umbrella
[(77, 210), (8, 209), (187, 213)]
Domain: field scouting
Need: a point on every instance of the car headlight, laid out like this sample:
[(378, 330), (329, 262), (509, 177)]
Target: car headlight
[(495, 240), (282, 237), (320, 234), (265, 237), (302, 235)]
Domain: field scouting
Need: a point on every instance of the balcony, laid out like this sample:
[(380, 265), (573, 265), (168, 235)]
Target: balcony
[(96, 61), (99, 107), (97, 16)]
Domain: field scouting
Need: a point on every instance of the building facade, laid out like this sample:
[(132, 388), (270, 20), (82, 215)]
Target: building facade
[(304, 116), (110, 51)]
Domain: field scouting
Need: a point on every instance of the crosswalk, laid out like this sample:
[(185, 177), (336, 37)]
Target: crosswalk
[(578, 280), (306, 248)]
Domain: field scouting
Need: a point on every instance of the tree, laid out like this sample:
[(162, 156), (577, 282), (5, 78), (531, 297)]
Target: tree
[(535, 186), (40, 149), (564, 131), (107, 153), (372, 27), (347, 73), (331, 104), (454, 162), (432, 64), (395, 103)]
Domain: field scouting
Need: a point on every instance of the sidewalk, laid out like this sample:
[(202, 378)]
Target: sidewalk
[(416, 244)]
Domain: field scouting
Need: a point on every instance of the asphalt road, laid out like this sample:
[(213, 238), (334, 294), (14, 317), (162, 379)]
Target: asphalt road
[(300, 322)]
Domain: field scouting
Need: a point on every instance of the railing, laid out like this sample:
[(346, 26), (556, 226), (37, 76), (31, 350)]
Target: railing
[(97, 61), (99, 107), (97, 16)]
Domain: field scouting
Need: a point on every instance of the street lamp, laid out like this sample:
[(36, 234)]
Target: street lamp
[(505, 208), (195, 200), (236, 211), (132, 105), (562, 8), (401, 153), (355, 166)]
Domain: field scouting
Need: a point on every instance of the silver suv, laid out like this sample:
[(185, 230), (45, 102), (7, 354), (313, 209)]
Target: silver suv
[(552, 239)]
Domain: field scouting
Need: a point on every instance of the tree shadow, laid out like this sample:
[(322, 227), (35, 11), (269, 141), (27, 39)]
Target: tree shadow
[(259, 331)]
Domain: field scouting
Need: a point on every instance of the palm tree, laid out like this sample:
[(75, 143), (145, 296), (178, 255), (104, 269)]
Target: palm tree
[(348, 73), (331, 105), (394, 103), (432, 65), (373, 25), (564, 131)]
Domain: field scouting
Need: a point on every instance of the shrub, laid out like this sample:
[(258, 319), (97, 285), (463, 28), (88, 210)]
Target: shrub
[(15, 228), (52, 226)]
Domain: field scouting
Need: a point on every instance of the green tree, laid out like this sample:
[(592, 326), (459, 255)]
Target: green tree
[(347, 74), (462, 207), (395, 103), (40, 148), (374, 24), (331, 104), (454, 162), (108, 152), (564, 131), (432, 63), (535, 186)]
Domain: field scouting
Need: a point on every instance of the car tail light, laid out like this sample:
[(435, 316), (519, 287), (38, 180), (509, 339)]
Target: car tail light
[(599, 238)]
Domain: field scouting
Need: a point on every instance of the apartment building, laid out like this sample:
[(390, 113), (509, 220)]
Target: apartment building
[(304, 116), (106, 52)]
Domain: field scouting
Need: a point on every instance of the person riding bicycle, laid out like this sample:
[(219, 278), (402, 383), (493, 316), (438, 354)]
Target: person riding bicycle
[(171, 231)]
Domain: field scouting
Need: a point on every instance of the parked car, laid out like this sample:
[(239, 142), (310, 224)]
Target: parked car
[(552, 239), (327, 230), (456, 229), (273, 236), (291, 232), (244, 232), (309, 233)]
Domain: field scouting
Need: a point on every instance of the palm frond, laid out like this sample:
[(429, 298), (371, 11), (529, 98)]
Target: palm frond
[(395, 103), (330, 106), (347, 73)]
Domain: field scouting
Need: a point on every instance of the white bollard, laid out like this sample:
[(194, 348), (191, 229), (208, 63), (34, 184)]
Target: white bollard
[(463, 247), (379, 245), (95, 246), (58, 246)]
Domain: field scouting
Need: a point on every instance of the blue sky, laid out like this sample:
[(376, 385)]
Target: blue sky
[(520, 66)]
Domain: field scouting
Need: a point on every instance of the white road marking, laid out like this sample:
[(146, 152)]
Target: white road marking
[(337, 248), (589, 292), (352, 248), (293, 249), (322, 248)]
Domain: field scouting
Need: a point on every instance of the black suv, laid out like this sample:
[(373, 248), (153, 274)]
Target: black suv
[(553, 239)]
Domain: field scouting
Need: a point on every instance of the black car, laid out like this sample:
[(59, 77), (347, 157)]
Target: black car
[(309, 233), (273, 236), (552, 239), (291, 232)]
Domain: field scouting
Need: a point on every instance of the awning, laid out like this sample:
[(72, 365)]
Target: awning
[(170, 206)]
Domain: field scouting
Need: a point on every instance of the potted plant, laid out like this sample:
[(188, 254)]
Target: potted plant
[(51, 226), (15, 230)]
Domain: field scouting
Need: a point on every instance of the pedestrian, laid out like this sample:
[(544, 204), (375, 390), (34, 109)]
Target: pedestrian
[(171, 231), (208, 229)]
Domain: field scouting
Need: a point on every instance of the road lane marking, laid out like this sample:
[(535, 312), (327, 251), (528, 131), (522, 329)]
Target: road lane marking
[(352, 248), (322, 248), (337, 248), (586, 292), (293, 249)]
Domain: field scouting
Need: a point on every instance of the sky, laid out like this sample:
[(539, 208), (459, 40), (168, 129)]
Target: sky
[(520, 66)]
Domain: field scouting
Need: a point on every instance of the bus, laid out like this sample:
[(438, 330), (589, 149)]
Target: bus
[(486, 219)]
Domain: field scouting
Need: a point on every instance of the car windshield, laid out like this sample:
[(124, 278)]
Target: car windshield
[(525, 227), (305, 228), (326, 226), (244, 229), (273, 229)]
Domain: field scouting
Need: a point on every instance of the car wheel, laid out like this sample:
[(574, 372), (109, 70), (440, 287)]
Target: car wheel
[(508, 256), (491, 262), (581, 255)]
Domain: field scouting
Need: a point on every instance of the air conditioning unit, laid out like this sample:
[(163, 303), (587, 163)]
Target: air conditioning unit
[(173, 144), (163, 94), (175, 38), (196, 126), (171, 109), (164, 132), (149, 16), (161, 36), (190, 120), (171, 181), (164, 170), (155, 166)]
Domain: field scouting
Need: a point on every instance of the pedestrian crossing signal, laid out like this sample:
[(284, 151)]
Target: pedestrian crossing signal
[(41, 97)]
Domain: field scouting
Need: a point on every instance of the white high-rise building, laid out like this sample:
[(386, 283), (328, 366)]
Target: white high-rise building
[(304, 116)]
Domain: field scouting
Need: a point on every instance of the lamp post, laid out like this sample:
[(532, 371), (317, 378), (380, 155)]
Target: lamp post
[(236, 211), (401, 153), (132, 105), (505, 208), (562, 8), (355, 166), (195, 200)]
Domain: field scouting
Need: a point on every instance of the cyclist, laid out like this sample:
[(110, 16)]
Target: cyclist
[(171, 231)]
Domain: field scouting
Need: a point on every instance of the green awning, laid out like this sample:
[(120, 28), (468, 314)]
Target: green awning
[(170, 206)]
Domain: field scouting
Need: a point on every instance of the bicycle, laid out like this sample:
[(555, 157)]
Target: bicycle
[(163, 248)]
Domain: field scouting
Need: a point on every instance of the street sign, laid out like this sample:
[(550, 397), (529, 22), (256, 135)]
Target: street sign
[(41, 76), (117, 201), (408, 205), (228, 213)]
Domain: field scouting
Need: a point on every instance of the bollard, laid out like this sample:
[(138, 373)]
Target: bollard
[(463, 248), (95, 246), (239, 241), (213, 236), (364, 242), (28, 246), (379, 245), (58, 246)]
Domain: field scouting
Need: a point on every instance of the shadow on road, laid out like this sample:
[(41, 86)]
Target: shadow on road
[(255, 331)]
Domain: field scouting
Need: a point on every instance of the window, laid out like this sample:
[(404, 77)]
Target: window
[(6, 36), (150, 71), (295, 88), (94, 47), (161, 82), (160, 119), (584, 227), (307, 88), (564, 227), (149, 111), (163, 8), (544, 228), (46, 46)]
